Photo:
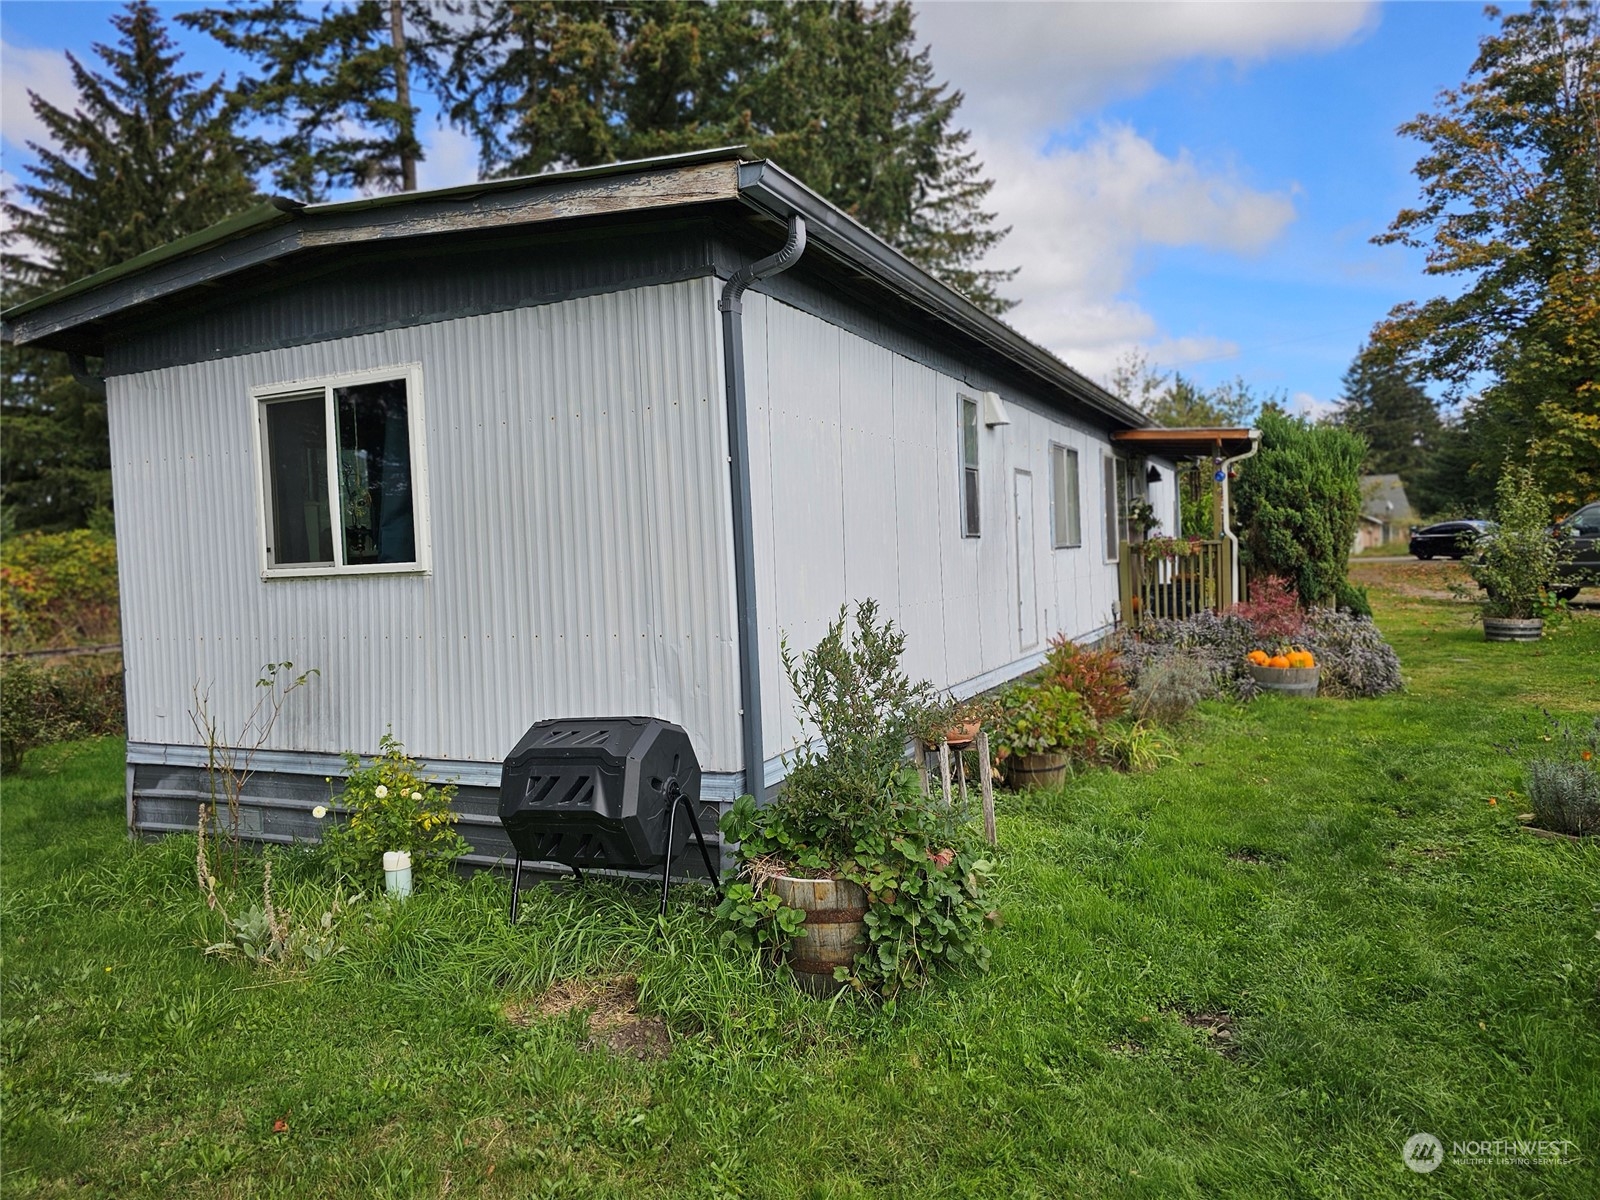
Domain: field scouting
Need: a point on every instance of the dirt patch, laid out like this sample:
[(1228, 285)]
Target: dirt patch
[(1216, 1028), (1255, 856), (613, 1017), (1412, 578)]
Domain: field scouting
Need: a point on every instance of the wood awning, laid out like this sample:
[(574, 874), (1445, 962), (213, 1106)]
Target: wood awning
[(1188, 443)]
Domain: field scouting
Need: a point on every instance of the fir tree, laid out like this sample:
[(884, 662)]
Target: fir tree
[(839, 94), (144, 155), (333, 86), (1385, 405)]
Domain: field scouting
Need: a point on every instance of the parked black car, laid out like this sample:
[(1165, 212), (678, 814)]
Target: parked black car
[(1581, 533), (1453, 539)]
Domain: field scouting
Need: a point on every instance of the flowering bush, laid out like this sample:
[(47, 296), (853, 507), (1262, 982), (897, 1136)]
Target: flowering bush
[(389, 806), (1564, 780), (1355, 660)]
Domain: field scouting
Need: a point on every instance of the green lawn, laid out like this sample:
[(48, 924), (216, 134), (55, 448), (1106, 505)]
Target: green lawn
[(1253, 973)]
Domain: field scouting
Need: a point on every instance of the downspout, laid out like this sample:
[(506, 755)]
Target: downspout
[(744, 554), (80, 372), (1227, 509)]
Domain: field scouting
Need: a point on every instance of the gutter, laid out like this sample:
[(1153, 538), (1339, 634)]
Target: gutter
[(1227, 509), (744, 555)]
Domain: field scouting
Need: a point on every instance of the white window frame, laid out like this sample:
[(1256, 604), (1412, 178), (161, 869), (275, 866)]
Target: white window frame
[(264, 395), (971, 523), (1114, 525), (1058, 455)]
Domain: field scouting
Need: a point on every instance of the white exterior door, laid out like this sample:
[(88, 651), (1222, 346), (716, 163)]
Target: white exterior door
[(1024, 545)]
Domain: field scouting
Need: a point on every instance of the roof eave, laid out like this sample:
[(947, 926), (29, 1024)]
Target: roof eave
[(773, 191)]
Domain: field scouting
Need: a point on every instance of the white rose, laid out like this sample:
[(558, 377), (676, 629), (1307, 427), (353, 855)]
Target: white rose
[(380, 792), (416, 796), (320, 811)]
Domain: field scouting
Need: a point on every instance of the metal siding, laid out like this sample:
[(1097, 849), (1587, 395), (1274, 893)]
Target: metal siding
[(367, 295), (576, 457), (898, 497)]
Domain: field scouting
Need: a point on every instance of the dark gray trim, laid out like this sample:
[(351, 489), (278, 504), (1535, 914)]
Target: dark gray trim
[(358, 292), (731, 306)]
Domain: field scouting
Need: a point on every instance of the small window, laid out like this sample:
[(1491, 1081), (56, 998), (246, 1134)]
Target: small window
[(1116, 502), (1066, 525), (340, 475), (969, 467)]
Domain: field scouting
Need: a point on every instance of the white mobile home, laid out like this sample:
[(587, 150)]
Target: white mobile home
[(577, 444)]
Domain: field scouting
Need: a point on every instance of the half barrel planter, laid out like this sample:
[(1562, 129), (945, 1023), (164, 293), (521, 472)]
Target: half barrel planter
[(1037, 771), (1513, 629), (1286, 681), (835, 930)]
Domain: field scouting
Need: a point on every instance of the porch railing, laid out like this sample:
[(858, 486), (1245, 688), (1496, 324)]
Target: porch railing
[(1177, 584)]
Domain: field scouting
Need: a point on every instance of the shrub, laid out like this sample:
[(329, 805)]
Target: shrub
[(1043, 718), (1564, 791), (1092, 674), (1273, 610), (1355, 660), (58, 589), (41, 704), (389, 806), (1170, 686), (1517, 558), (1299, 502), (855, 809), (1215, 642)]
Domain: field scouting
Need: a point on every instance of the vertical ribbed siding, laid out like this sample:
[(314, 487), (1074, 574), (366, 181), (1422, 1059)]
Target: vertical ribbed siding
[(856, 485), (578, 519)]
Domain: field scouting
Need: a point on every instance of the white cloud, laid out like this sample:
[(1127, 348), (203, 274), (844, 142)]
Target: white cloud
[(452, 158), (1304, 404), (1038, 65), (23, 70), (1081, 217)]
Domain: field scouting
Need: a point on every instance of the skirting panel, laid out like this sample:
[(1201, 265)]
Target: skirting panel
[(279, 796)]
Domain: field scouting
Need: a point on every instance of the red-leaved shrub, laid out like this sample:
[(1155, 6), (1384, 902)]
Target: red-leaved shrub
[(1092, 674), (1273, 610)]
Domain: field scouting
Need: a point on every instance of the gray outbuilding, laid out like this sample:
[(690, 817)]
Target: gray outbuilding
[(586, 443)]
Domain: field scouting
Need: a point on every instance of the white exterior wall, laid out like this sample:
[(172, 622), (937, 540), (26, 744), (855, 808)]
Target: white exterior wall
[(856, 493), (582, 551)]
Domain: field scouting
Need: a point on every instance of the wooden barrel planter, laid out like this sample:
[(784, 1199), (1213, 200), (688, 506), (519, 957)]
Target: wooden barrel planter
[(1037, 771), (1286, 681), (834, 932), (1513, 629)]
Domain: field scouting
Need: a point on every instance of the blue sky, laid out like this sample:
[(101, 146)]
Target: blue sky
[(1196, 181)]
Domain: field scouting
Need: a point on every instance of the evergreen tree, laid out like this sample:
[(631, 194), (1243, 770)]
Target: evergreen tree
[(837, 93), (144, 156), (1383, 404), (334, 86)]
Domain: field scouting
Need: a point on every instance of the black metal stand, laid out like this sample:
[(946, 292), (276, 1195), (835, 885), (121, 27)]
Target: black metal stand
[(678, 798), (516, 884)]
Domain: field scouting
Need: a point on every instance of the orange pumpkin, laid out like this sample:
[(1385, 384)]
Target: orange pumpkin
[(1259, 657), (1278, 660)]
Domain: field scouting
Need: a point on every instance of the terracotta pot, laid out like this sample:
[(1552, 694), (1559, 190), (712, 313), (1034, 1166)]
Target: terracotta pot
[(1037, 771), (1286, 681), (834, 932), (1513, 629)]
